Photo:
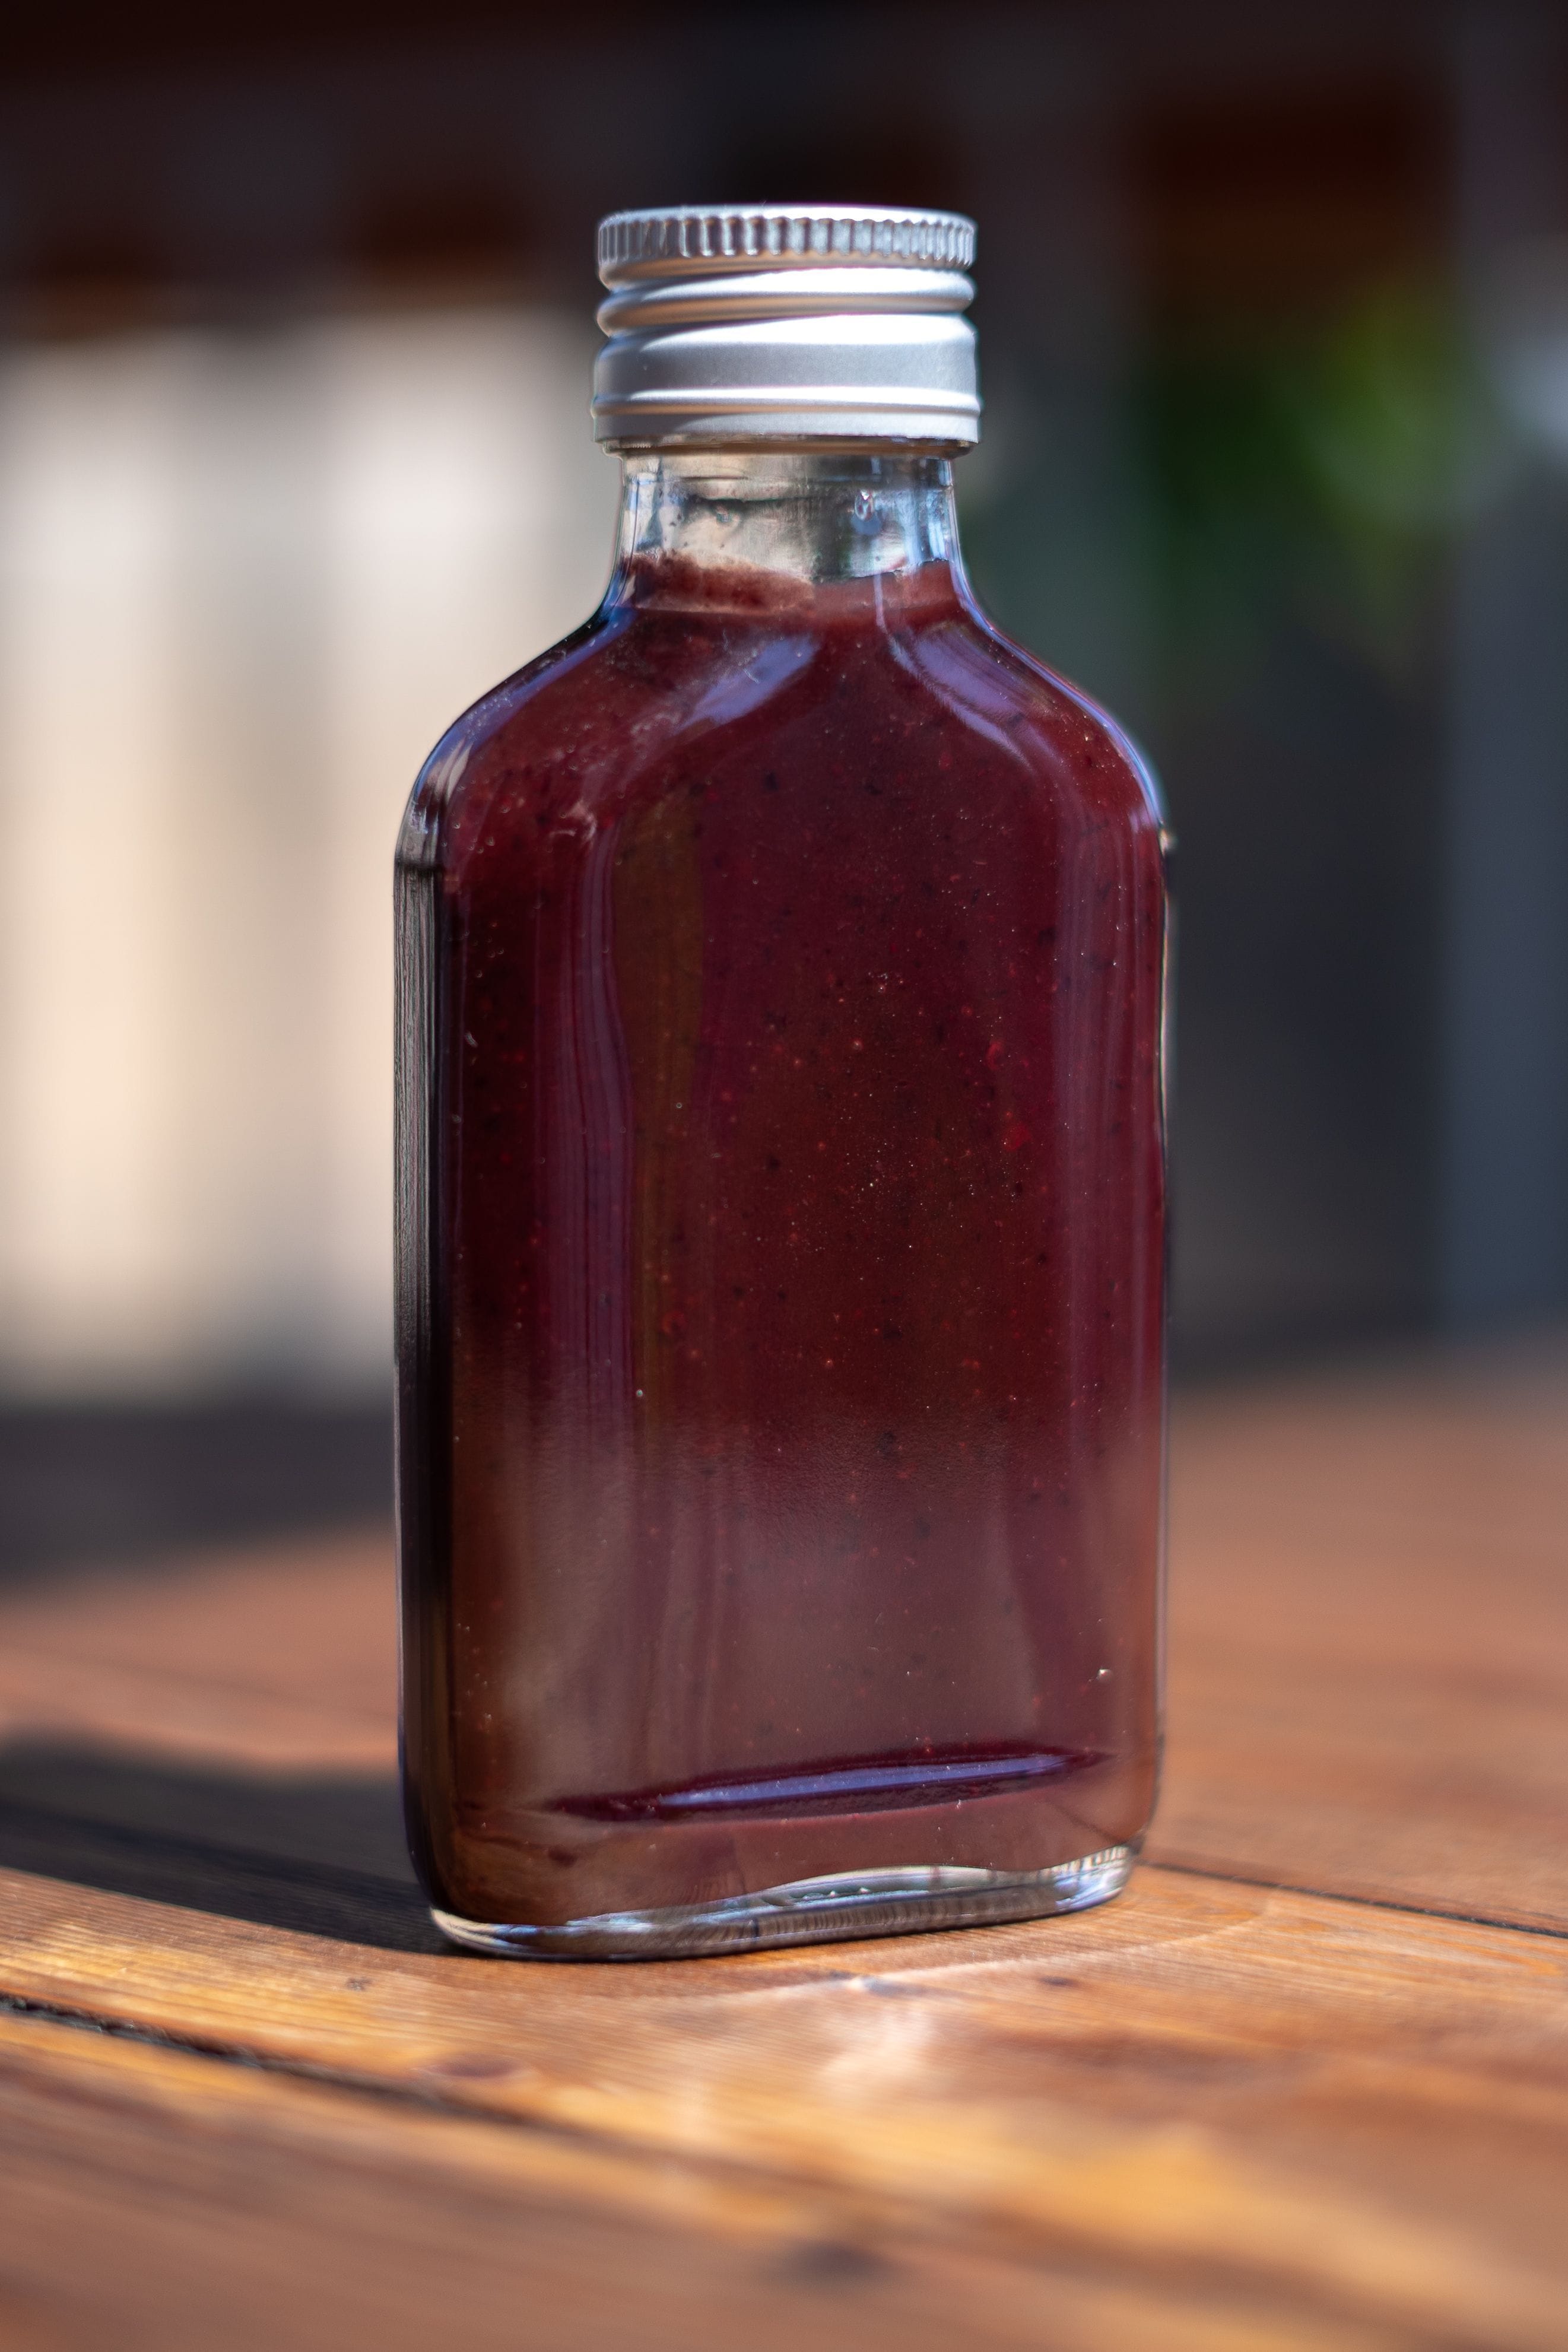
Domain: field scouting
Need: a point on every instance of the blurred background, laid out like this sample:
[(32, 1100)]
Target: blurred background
[(296, 325)]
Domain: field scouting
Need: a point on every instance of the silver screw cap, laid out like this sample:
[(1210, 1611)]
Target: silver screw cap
[(786, 322)]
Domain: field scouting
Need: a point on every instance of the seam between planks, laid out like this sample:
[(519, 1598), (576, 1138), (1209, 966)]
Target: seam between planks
[(1362, 1902), (83, 2019)]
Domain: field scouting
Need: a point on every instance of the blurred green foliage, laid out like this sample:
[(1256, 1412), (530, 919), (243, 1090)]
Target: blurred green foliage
[(1326, 472)]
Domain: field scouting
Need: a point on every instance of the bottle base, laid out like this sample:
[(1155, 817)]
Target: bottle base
[(901, 1901)]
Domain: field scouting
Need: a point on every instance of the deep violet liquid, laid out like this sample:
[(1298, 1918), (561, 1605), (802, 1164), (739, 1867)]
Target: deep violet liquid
[(782, 1202)]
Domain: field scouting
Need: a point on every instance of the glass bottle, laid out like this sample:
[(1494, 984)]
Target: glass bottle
[(782, 1177)]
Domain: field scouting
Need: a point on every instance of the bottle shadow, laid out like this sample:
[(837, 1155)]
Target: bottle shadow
[(319, 1853)]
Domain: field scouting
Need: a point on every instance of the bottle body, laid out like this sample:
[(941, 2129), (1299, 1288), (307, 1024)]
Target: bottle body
[(782, 1251)]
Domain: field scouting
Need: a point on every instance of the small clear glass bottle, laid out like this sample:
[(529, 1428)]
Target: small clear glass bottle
[(782, 1176)]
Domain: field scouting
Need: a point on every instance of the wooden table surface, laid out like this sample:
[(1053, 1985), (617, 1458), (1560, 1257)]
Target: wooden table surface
[(1305, 2085)]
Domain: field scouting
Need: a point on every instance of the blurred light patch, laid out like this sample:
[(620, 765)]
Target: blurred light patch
[(245, 580), (1524, 311)]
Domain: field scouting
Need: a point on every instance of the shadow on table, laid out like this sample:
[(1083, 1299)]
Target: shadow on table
[(319, 1853)]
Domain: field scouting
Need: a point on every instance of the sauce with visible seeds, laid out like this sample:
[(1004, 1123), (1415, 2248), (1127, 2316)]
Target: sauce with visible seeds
[(783, 1256)]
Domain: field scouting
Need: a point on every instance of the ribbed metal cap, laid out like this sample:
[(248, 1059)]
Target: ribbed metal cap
[(740, 322)]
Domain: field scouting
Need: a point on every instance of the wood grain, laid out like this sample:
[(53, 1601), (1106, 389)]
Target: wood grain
[(1256, 2106), (1341, 2105), (155, 2198)]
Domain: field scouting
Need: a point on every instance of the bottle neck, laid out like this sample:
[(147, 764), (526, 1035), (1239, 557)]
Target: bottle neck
[(737, 529)]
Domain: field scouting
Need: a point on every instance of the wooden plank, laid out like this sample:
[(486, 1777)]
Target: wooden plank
[(277, 1655), (1369, 1639), (155, 2198), (1319, 2106)]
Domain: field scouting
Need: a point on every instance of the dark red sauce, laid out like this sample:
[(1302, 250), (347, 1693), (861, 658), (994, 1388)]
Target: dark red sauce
[(782, 1326)]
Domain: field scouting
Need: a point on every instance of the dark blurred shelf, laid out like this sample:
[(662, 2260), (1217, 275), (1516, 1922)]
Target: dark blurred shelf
[(115, 1483)]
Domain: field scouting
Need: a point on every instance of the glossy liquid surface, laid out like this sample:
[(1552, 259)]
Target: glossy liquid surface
[(781, 1333)]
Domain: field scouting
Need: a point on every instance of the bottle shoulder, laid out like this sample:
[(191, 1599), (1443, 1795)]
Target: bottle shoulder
[(636, 703), (1073, 739), (461, 757)]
